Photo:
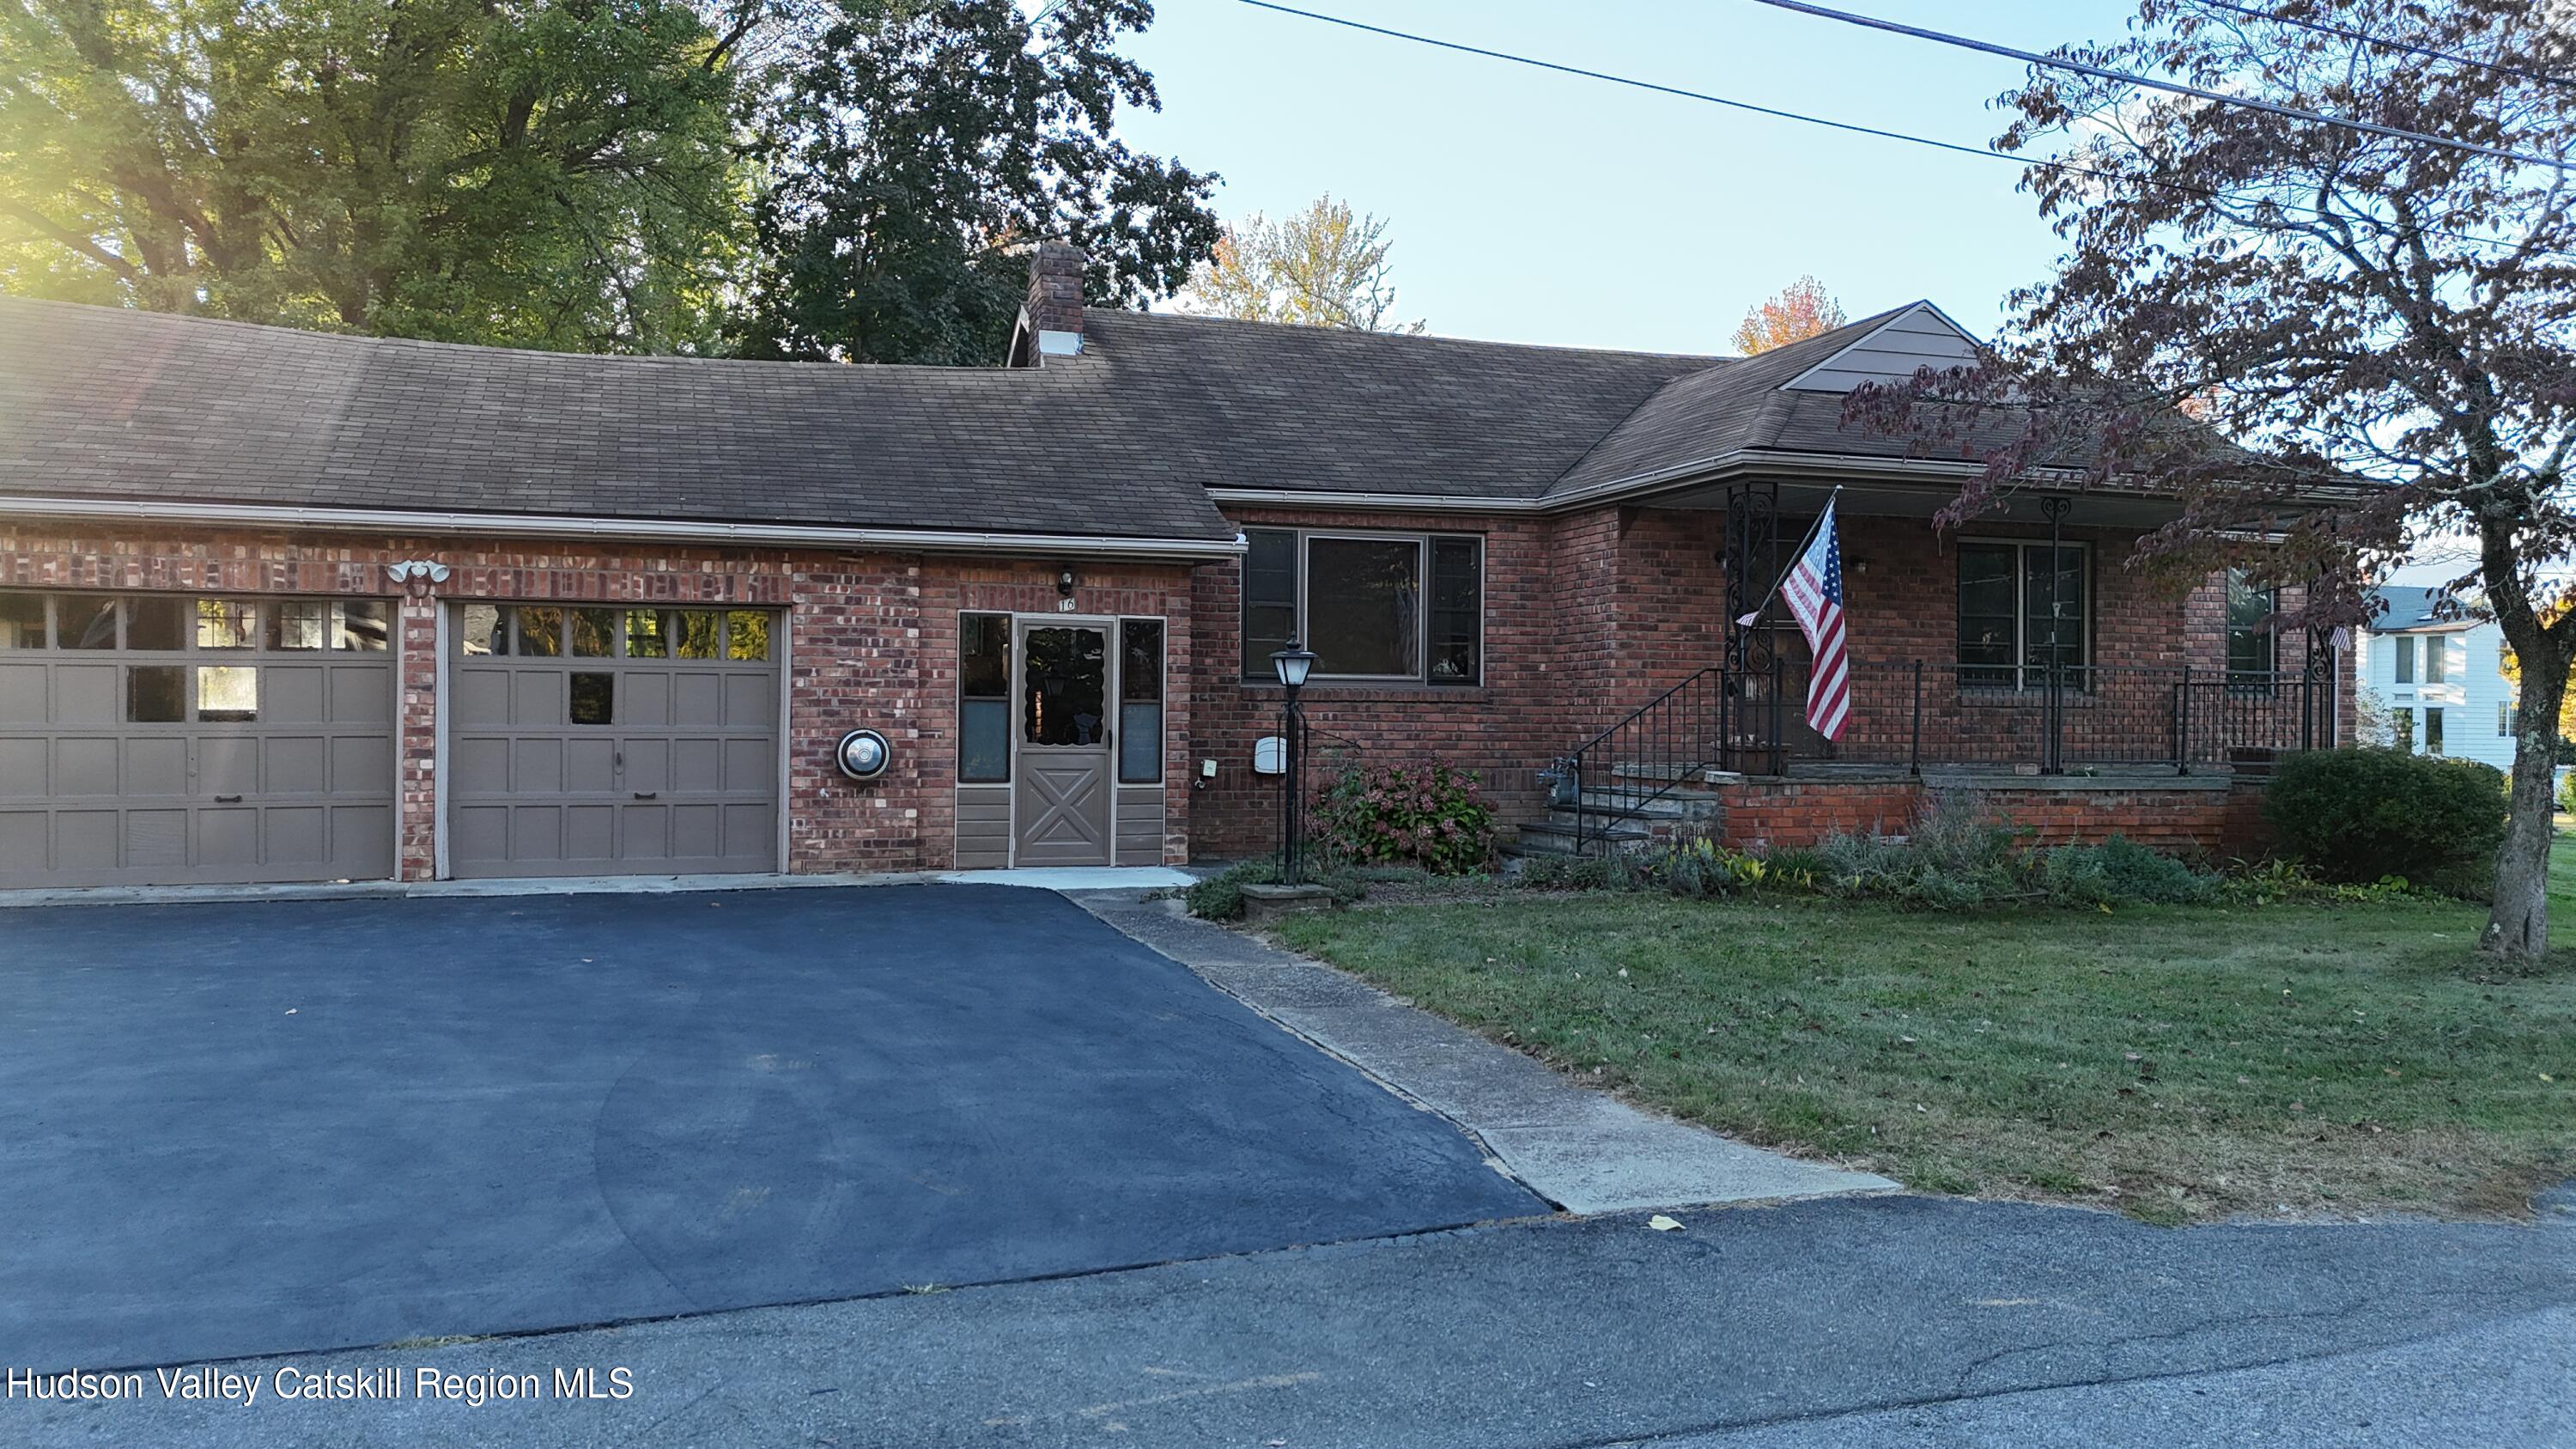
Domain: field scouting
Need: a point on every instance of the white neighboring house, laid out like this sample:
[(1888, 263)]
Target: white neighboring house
[(2436, 667)]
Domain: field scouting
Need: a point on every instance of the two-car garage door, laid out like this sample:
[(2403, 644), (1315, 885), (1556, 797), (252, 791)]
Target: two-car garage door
[(163, 739)]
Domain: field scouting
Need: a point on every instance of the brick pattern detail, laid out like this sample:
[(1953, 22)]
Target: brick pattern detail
[(871, 639), (1763, 814)]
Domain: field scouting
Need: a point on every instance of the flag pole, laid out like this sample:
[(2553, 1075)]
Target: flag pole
[(1746, 621)]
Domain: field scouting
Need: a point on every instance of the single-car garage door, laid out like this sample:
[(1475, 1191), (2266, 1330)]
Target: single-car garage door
[(167, 740), (612, 741)]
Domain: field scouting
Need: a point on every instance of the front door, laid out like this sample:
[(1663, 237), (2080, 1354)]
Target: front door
[(1060, 778)]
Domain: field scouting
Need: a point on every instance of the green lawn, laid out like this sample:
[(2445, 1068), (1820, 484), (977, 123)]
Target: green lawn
[(2173, 1061)]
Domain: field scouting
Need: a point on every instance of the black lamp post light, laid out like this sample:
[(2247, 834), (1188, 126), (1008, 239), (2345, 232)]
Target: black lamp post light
[(1293, 664)]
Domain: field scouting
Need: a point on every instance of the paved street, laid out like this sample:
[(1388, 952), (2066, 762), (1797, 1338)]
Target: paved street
[(1872, 1321)]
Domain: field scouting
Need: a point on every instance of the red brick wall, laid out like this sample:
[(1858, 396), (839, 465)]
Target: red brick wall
[(872, 640), (1590, 614), (1780, 815)]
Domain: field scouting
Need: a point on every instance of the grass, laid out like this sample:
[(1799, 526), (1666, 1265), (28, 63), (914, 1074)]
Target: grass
[(2176, 1062)]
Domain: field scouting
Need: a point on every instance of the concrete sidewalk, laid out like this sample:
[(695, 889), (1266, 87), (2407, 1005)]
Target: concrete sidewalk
[(1585, 1151)]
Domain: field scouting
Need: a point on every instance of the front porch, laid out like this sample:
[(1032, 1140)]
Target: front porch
[(2020, 659)]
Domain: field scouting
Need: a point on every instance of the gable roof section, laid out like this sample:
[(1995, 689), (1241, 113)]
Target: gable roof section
[(1890, 347), (1742, 404), (104, 403)]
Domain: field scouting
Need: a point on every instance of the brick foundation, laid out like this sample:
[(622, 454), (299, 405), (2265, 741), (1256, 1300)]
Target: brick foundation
[(2219, 816)]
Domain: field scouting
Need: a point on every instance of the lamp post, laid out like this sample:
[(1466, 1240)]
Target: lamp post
[(1293, 664)]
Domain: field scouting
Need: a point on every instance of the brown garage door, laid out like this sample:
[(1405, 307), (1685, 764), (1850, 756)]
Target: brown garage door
[(165, 740), (612, 741)]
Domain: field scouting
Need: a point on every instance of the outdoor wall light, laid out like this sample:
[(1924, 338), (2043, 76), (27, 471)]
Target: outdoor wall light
[(863, 754), (417, 576)]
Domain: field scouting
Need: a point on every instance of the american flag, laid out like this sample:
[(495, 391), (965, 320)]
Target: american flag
[(1814, 590)]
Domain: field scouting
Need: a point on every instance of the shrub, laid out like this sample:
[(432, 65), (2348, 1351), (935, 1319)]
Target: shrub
[(2358, 816), (1426, 815), (2567, 793), (2119, 871)]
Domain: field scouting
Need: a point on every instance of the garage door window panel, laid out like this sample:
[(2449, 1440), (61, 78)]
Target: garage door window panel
[(298, 627), (156, 694), (594, 633), (697, 634), (22, 621), (541, 630), (746, 636), (227, 694), (221, 624), (594, 698), (486, 631), (84, 622), (645, 638), (156, 624)]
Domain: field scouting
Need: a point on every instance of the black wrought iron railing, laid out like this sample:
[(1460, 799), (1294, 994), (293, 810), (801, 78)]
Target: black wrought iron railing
[(1919, 714)]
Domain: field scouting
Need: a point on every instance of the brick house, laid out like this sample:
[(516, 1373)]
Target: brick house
[(286, 606)]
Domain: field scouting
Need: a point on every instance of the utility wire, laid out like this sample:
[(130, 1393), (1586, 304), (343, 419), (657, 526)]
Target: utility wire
[(2327, 27), (1853, 128), (2051, 62)]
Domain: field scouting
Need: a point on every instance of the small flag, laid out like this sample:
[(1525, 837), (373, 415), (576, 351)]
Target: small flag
[(1814, 590)]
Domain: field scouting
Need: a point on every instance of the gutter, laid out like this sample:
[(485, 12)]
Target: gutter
[(1696, 473), (570, 526)]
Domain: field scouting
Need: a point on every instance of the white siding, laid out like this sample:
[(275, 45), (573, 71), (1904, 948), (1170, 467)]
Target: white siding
[(1915, 338), (2473, 687)]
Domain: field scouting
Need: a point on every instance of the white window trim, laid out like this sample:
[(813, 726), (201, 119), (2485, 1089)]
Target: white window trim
[(2021, 612), (1422, 542)]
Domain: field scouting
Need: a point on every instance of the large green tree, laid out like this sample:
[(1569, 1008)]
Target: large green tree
[(546, 173), (912, 150)]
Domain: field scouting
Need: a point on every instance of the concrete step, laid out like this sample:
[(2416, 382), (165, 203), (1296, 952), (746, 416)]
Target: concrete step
[(1558, 836), (1679, 803)]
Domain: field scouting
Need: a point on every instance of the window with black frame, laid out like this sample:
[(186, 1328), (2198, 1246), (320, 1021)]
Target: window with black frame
[(1375, 608), (2018, 615), (983, 698), (1140, 701), (2252, 646)]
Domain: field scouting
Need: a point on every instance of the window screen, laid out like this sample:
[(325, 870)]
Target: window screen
[(1364, 606)]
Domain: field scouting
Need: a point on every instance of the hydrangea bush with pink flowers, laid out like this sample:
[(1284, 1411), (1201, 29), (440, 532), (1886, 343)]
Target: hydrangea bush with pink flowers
[(1426, 815)]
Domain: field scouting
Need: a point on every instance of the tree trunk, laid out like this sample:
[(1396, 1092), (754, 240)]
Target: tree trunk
[(2518, 926)]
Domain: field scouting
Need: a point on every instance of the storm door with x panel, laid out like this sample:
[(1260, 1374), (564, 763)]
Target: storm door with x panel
[(1062, 801)]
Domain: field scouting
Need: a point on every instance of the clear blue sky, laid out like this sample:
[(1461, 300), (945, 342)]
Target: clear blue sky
[(1532, 207)]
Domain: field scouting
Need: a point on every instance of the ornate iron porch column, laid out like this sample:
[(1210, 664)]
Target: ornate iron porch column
[(2053, 713), (1751, 559)]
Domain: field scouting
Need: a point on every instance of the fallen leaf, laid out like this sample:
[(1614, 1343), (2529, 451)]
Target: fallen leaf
[(1663, 1224), (291, 1011)]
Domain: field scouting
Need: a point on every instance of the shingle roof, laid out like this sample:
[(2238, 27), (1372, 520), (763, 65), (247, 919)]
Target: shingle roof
[(104, 402), (2412, 609), (1122, 440)]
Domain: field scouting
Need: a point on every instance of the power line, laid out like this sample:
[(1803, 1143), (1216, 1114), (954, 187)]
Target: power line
[(2032, 57), (1849, 127), (2327, 27)]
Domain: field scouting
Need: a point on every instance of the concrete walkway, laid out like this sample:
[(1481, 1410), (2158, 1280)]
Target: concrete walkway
[(1585, 1151)]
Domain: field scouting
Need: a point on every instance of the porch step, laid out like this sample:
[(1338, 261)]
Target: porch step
[(1558, 836), (1696, 777), (1681, 803)]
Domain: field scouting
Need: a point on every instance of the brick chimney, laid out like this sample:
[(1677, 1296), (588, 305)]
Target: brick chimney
[(1051, 318)]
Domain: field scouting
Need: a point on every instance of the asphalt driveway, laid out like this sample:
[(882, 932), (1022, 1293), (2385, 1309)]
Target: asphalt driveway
[(259, 1128)]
